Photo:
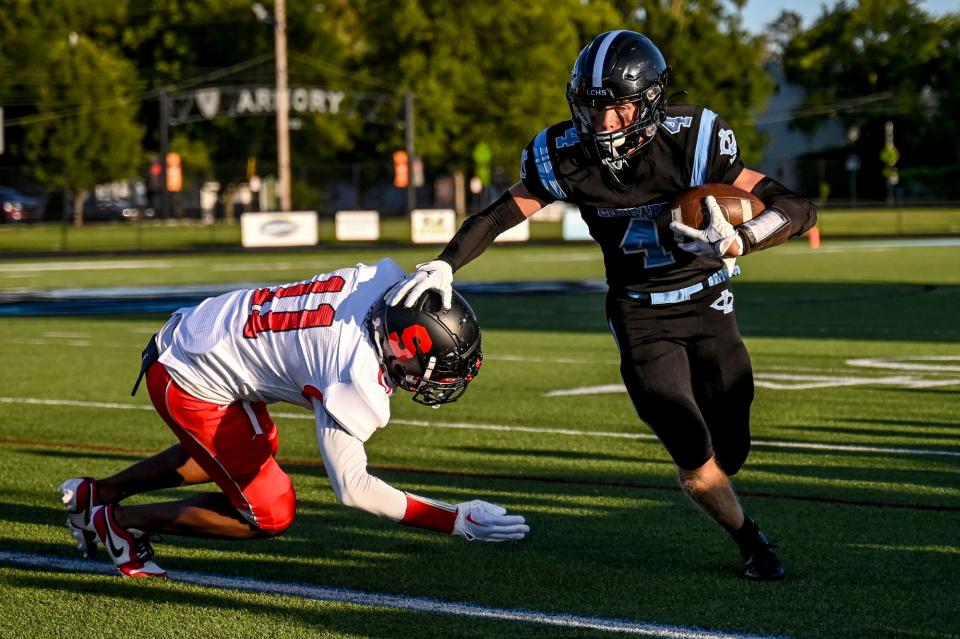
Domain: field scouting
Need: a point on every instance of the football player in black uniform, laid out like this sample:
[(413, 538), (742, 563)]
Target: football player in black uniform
[(624, 155)]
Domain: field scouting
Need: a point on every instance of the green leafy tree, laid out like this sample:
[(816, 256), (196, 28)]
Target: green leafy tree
[(186, 45), (492, 72), (885, 60), (85, 131), (76, 98), (712, 58), (496, 72)]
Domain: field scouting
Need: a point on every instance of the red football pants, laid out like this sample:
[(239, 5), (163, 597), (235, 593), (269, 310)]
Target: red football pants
[(235, 444)]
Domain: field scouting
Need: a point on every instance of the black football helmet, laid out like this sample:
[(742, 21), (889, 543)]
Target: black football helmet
[(618, 67), (426, 350)]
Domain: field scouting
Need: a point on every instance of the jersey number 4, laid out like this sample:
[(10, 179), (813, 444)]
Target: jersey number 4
[(259, 321), (642, 237)]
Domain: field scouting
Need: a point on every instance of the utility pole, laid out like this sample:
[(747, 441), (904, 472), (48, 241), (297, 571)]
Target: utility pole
[(283, 107), (408, 125), (164, 149)]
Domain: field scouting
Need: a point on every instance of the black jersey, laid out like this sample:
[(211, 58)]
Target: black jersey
[(629, 217)]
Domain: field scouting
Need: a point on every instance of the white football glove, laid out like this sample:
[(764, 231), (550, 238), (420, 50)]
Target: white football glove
[(713, 241), (436, 275), (488, 522)]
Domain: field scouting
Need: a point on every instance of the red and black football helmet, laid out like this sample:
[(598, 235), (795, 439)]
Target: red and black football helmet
[(426, 350), (618, 67)]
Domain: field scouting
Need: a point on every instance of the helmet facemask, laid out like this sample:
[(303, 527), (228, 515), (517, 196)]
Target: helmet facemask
[(446, 380), (613, 148), (617, 68), (426, 351)]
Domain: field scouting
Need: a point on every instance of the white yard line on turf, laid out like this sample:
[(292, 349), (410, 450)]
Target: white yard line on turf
[(763, 443), (380, 600)]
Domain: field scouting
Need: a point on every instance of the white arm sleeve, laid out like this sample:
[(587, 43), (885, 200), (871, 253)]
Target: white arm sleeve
[(346, 463)]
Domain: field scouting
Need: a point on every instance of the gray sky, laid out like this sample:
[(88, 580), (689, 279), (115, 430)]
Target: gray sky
[(758, 13)]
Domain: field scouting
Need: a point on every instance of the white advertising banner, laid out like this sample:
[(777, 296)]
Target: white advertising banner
[(357, 225), (432, 226), (295, 228), (518, 233), (574, 228)]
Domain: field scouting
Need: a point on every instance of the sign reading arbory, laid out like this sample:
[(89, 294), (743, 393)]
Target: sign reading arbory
[(214, 102)]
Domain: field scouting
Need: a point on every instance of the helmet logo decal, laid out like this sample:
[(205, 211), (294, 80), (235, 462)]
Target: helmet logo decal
[(403, 347)]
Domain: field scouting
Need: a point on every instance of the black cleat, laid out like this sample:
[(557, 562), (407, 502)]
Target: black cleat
[(760, 562)]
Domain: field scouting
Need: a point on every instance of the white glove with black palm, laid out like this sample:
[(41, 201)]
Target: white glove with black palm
[(713, 241), (488, 522), (436, 275)]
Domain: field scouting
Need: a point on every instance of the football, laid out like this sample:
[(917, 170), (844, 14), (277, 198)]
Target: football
[(738, 206)]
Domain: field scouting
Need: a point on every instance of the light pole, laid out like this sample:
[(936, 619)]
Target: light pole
[(282, 98)]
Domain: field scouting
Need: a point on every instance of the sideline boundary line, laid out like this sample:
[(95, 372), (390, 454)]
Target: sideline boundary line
[(316, 463), (381, 600)]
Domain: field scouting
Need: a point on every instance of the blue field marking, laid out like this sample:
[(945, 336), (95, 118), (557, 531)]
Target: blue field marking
[(119, 300), (381, 600)]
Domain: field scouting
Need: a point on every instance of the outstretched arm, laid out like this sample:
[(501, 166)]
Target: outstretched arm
[(474, 237), (346, 463)]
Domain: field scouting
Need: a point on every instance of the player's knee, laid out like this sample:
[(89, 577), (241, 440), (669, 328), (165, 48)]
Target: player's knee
[(732, 461), (702, 479), (692, 482), (276, 516)]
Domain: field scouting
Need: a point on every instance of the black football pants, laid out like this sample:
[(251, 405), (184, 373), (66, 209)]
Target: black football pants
[(688, 374)]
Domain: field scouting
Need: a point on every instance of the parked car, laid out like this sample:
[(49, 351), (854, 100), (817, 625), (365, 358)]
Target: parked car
[(17, 207), (95, 210)]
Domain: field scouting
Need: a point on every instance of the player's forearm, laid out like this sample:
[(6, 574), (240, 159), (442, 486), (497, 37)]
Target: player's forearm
[(346, 462), (479, 231), (787, 215)]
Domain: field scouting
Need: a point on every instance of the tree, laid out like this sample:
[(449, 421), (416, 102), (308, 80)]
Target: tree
[(491, 72), (496, 72), (85, 130), (885, 60), (186, 45), (782, 30), (712, 58), (74, 97)]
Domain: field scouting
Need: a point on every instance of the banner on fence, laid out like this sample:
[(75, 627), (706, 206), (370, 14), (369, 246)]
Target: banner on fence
[(294, 228)]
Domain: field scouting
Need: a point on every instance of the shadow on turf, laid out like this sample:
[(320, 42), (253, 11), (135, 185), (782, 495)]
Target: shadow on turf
[(863, 432), (82, 454), (556, 454), (860, 475), (900, 422)]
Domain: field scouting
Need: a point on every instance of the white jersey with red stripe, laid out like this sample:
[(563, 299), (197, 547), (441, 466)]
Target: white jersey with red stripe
[(305, 343)]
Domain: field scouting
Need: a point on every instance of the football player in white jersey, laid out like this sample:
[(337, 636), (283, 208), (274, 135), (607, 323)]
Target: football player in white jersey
[(329, 344)]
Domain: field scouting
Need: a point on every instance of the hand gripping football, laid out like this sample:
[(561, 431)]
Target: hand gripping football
[(738, 206)]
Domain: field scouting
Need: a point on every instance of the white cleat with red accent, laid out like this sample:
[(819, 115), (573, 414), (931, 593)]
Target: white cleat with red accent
[(130, 550), (79, 497)]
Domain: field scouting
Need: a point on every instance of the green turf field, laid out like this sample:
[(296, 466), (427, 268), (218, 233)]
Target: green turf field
[(855, 470)]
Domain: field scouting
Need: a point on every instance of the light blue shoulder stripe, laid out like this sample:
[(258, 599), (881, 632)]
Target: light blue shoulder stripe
[(541, 156), (701, 156)]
